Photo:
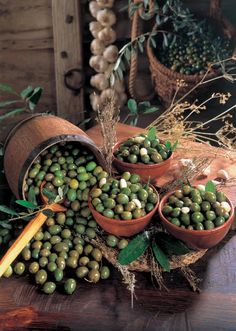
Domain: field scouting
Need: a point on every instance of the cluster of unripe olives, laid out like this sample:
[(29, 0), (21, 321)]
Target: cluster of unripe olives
[(142, 150), (195, 209), (193, 54), (125, 198)]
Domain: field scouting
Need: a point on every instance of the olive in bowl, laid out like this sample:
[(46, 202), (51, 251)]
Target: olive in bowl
[(123, 206), (150, 158), (199, 218)]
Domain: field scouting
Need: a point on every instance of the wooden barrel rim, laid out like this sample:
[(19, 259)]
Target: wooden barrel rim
[(83, 140), (18, 125)]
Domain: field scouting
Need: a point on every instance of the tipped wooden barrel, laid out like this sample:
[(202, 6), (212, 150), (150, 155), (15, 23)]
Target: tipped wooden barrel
[(32, 136)]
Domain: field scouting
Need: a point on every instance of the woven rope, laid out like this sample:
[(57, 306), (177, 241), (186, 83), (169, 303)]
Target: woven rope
[(134, 57)]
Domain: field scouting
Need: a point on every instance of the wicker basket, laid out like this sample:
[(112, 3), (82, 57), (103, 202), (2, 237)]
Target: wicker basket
[(165, 79)]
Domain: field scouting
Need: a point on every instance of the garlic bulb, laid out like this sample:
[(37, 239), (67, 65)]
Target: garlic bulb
[(104, 55), (98, 63), (105, 3), (94, 28), (106, 17), (94, 8), (223, 174), (97, 47), (109, 94), (107, 35), (95, 101), (99, 81), (111, 53)]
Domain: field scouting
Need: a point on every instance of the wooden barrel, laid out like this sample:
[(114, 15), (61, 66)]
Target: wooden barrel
[(32, 136)]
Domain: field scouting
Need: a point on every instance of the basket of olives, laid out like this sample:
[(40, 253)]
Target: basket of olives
[(145, 155), (199, 217), (123, 206), (186, 53)]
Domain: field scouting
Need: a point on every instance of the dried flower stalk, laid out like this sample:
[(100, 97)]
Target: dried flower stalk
[(176, 123), (108, 117)]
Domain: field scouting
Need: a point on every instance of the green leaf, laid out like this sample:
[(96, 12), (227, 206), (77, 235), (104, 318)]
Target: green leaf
[(32, 196), (210, 187), (8, 210), (160, 256), (49, 194), (26, 204), (7, 103), (7, 88), (26, 92), (151, 110), (165, 41), (12, 113), (152, 134), (153, 42), (140, 46), (135, 249), (34, 97), (171, 245), (168, 144), (5, 225), (85, 121), (48, 212), (133, 107), (173, 148)]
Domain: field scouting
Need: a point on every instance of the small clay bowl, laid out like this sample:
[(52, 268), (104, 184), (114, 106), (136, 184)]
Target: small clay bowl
[(146, 171), (123, 228), (196, 239)]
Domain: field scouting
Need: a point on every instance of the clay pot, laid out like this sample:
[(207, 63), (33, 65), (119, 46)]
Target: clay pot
[(123, 228), (146, 171), (196, 239)]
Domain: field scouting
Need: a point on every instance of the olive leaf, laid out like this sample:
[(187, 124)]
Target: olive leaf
[(133, 107), (174, 146), (8, 210), (210, 187), (50, 195), (7, 88), (171, 245), (135, 249), (26, 204), (5, 225), (32, 196), (161, 257), (152, 134)]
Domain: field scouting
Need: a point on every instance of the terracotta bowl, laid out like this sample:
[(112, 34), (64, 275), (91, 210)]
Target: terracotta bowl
[(197, 239), (123, 228), (146, 171)]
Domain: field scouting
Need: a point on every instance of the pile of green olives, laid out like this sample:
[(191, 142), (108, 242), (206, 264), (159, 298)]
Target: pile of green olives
[(115, 242), (195, 209), (58, 254), (142, 150), (193, 54), (57, 257), (123, 199)]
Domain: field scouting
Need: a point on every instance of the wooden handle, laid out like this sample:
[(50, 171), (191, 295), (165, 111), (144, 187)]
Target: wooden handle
[(27, 234)]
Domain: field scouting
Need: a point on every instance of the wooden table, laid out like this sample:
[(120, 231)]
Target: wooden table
[(106, 305)]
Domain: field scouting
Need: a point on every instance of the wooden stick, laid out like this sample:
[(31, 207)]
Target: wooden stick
[(27, 234)]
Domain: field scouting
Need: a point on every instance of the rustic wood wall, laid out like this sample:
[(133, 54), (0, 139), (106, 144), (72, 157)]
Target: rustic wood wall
[(27, 45)]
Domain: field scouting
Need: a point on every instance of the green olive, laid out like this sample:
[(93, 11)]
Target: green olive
[(111, 241), (105, 272), (82, 272), (41, 277), (70, 286)]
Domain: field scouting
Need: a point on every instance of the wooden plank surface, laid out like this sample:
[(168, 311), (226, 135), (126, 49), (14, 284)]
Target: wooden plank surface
[(68, 55), (106, 305)]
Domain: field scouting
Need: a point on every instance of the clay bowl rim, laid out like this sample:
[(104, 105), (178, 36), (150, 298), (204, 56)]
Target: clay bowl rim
[(196, 232), (139, 165), (125, 222)]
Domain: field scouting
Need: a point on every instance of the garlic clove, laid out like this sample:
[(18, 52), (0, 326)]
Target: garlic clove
[(226, 206), (201, 187), (137, 202), (106, 17), (123, 183), (143, 151), (94, 8), (185, 210), (102, 182), (223, 174)]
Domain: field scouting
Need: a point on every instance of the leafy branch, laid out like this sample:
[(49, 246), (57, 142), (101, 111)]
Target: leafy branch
[(161, 244), (27, 100), (138, 109)]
